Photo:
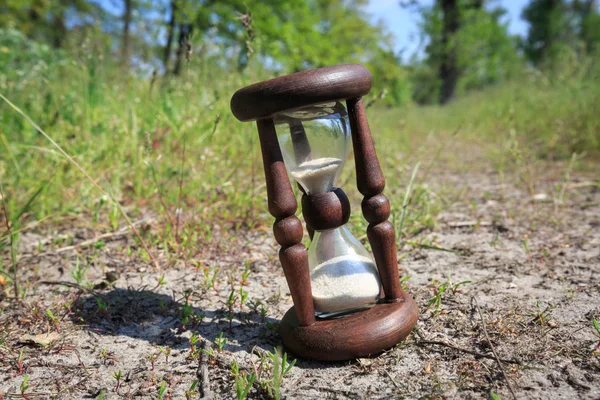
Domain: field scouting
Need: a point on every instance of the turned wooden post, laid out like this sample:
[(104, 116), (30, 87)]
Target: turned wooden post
[(287, 227), (375, 206)]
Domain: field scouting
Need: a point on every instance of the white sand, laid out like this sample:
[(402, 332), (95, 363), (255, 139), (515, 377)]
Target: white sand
[(344, 283), (317, 176)]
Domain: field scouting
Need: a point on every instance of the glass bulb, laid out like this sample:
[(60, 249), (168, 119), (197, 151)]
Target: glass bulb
[(315, 141)]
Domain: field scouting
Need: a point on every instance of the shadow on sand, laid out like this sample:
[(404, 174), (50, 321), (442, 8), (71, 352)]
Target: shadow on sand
[(159, 319)]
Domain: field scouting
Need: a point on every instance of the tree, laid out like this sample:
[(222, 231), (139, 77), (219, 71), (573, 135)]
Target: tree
[(448, 70), (548, 30), (588, 23), (292, 35), (467, 47), (559, 27), (45, 21), (170, 34), (127, 5)]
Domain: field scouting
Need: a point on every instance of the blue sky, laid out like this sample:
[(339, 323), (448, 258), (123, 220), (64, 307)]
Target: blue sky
[(402, 22)]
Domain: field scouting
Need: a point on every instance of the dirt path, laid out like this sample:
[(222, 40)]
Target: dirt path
[(533, 272)]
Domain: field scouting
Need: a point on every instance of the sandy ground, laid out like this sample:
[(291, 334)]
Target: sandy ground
[(533, 269)]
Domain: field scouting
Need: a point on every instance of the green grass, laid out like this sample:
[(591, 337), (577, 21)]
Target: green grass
[(172, 147)]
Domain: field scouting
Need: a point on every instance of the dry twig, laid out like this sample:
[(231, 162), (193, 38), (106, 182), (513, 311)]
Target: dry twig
[(109, 235), (472, 352), (498, 360), (202, 373)]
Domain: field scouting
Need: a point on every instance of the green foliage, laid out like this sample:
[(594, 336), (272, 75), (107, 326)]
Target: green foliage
[(549, 30), (442, 291), (128, 130), (47, 20), (162, 390), (293, 35), (559, 29), (24, 60), (280, 369), (220, 341), (485, 52), (243, 381), (271, 370)]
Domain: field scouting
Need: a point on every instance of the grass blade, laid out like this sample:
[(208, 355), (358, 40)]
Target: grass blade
[(407, 198), (88, 177)]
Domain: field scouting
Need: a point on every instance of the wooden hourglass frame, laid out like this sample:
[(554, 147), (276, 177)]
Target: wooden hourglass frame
[(389, 321)]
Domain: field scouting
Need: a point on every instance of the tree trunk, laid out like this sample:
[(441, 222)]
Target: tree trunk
[(126, 25), (170, 33), (448, 72), (586, 8), (185, 30), (60, 30)]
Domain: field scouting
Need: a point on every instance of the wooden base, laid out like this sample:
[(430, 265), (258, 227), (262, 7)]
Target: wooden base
[(358, 335)]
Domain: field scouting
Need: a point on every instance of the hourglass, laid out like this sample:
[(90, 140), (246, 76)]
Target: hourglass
[(347, 303)]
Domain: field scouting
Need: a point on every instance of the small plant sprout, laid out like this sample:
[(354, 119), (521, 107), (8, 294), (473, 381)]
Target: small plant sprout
[(246, 273), (210, 277), (186, 312), (220, 341), (525, 246), (50, 315), (24, 386), (102, 306), (197, 266), (105, 355), (243, 381), (167, 352), (263, 313), (152, 358), (596, 333), (192, 391), (230, 304), (542, 317), (19, 364), (117, 375), (280, 369), (441, 291), (243, 296), (209, 351), (403, 281), (271, 370), (78, 274), (161, 280), (162, 391), (193, 341), (255, 305)]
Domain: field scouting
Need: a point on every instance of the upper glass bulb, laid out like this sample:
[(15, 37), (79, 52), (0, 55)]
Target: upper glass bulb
[(315, 141)]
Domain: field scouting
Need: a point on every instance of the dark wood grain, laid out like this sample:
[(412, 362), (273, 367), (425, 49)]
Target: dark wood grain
[(369, 177), (311, 232), (316, 86), (383, 242), (358, 335), (287, 228), (327, 210), (376, 207)]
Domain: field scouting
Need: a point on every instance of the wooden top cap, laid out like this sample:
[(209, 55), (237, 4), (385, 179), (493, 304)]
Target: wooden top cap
[(289, 92)]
